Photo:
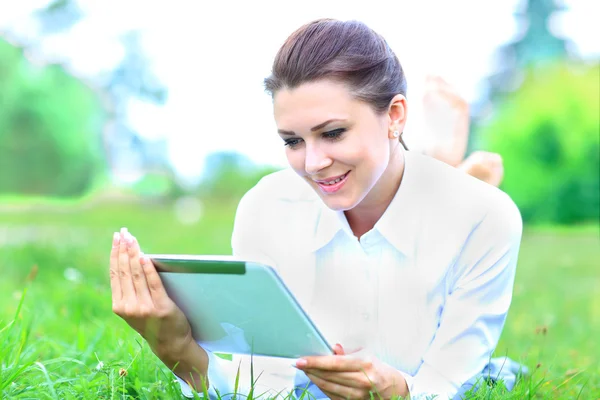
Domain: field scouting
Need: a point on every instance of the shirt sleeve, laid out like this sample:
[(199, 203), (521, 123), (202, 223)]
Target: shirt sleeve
[(245, 243), (475, 309), (219, 371), (248, 237)]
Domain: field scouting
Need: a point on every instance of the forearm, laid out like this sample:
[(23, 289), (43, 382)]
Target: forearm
[(191, 365)]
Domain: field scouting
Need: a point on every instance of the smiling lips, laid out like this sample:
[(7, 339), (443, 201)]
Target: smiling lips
[(333, 184)]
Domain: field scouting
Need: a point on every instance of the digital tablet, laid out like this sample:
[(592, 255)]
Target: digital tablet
[(239, 307)]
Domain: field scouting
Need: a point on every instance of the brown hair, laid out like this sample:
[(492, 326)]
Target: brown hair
[(347, 51)]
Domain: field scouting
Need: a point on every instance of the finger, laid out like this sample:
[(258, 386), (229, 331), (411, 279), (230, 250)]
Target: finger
[(115, 285), (155, 285), (125, 270), (357, 352), (349, 379), (137, 273), (330, 363), (338, 350), (333, 389), (330, 395)]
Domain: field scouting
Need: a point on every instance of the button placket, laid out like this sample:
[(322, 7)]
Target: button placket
[(370, 315)]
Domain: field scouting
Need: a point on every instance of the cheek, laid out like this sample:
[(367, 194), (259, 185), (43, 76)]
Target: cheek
[(350, 152), (295, 159), (371, 154)]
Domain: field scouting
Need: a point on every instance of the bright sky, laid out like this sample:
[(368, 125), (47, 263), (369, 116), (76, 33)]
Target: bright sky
[(213, 56)]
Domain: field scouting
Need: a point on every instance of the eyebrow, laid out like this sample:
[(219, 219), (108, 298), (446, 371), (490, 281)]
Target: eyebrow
[(314, 128)]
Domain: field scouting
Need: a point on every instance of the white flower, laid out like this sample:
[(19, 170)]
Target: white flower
[(188, 210), (72, 274)]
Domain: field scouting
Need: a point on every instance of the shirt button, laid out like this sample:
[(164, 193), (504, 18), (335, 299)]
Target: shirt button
[(366, 316)]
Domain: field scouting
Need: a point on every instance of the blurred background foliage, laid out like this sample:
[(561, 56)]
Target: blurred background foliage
[(548, 135), (49, 129), (64, 139), (64, 136)]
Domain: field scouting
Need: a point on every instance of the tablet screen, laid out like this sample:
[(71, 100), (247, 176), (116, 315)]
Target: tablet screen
[(239, 307)]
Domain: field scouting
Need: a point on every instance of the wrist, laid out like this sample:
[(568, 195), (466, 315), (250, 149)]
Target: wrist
[(186, 355), (173, 349), (397, 385), (190, 363)]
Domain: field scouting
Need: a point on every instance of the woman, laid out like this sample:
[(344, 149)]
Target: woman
[(404, 261)]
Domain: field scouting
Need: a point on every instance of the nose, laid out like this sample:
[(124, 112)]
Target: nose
[(315, 159)]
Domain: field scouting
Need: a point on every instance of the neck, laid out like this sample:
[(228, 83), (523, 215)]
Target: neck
[(365, 215)]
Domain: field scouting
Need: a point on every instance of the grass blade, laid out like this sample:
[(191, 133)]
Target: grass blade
[(48, 380)]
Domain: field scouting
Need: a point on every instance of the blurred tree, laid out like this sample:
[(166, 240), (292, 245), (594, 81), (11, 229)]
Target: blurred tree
[(58, 16), (549, 137), (129, 155), (535, 46), (228, 175), (132, 78), (50, 126)]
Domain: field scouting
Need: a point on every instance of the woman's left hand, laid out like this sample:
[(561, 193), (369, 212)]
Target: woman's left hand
[(353, 376)]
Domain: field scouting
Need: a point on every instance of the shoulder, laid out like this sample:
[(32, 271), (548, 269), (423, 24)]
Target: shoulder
[(274, 218), (466, 220), (459, 198)]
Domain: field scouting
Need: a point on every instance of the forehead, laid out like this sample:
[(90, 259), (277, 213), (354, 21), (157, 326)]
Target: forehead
[(312, 103)]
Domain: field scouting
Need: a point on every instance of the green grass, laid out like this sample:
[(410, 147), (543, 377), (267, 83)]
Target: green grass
[(67, 344)]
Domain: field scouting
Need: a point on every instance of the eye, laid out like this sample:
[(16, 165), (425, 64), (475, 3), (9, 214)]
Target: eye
[(334, 134), (292, 143)]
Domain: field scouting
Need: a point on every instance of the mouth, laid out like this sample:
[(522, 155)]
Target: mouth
[(333, 184)]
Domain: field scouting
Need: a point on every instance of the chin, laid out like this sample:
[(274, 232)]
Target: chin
[(338, 203)]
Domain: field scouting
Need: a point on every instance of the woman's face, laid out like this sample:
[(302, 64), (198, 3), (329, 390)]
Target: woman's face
[(337, 143)]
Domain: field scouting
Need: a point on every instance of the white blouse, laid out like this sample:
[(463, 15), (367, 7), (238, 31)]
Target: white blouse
[(427, 290)]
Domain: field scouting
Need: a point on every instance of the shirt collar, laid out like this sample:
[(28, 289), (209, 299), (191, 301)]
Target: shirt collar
[(398, 224), (329, 223)]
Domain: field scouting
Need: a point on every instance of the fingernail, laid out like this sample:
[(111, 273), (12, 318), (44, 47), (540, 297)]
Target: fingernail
[(116, 238), (123, 232), (301, 363)]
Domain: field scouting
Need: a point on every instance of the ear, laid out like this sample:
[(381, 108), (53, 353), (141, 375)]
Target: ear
[(397, 113)]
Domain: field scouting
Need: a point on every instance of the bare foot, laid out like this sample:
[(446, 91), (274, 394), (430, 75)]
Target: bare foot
[(445, 121), (485, 166)]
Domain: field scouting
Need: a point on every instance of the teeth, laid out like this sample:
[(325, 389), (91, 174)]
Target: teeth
[(335, 181)]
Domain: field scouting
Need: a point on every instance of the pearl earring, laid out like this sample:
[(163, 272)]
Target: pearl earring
[(396, 134)]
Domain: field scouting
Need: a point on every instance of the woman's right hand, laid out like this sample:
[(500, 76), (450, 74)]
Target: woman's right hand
[(139, 297)]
